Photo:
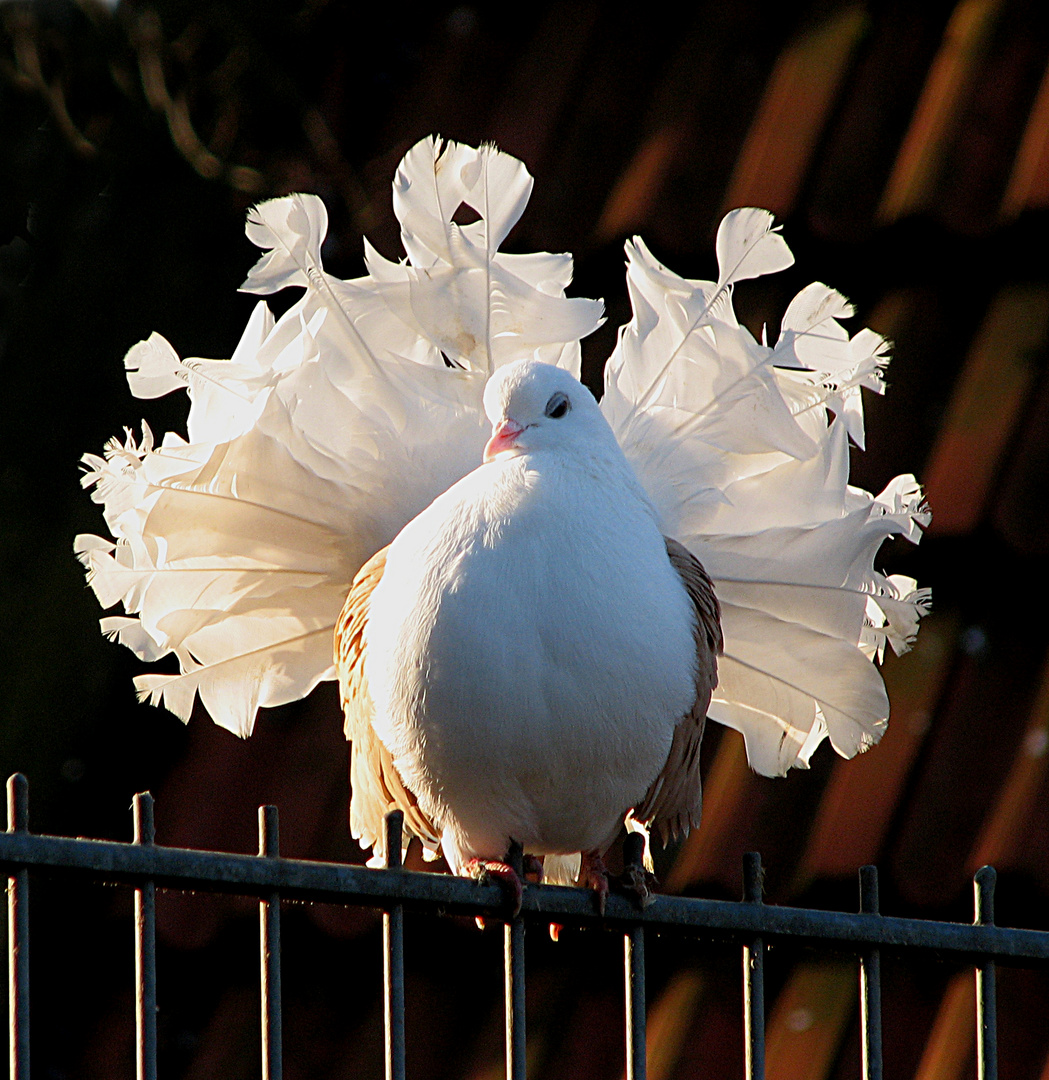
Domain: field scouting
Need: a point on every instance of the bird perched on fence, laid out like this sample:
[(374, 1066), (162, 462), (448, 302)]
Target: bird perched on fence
[(531, 659), (362, 409)]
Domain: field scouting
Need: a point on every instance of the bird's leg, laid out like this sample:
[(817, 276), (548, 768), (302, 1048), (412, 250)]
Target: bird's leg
[(593, 874), (636, 881)]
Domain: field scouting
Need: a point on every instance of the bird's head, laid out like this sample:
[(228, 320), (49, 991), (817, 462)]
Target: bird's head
[(535, 406)]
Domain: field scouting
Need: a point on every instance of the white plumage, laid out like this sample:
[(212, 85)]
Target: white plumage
[(334, 426), (530, 649)]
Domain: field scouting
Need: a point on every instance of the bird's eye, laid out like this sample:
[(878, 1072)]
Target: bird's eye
[(557, 406)]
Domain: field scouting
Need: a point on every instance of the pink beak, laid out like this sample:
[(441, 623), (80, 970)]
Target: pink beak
[(504, 436)]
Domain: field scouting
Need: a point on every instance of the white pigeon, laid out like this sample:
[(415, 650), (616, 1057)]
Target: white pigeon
[(335, 425), (530, 660)]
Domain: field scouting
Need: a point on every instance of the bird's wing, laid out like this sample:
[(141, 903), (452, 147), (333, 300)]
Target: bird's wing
[(376, 786), (674, 800)]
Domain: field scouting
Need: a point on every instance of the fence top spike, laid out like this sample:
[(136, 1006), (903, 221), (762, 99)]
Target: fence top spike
[(394, 839), (983, 895), (17, 803), (869, 902), (142, 812), (269, 832), (753, 877)]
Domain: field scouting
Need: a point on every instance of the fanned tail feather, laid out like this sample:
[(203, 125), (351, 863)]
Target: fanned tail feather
[(331, 427), (744, 450), (320, 438)]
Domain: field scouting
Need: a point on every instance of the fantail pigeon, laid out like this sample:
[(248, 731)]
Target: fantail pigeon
[(530, 659)]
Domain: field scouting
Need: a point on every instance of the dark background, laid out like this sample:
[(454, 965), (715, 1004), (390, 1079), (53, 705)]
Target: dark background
[(905, 147)]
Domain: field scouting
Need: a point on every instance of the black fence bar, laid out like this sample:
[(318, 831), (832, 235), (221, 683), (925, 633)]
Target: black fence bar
[(753, 975), (145, 951), (269, 954), (18, 935), (986, 994), (634, 964), (514, 983), (721, 921), (870, 983), (393, 958)]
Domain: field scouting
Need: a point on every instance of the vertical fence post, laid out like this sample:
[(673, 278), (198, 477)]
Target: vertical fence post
[(145, 950), (986, 995), (514, 982), (269, 954), (754, 976), (870, 983), (393, 957), (18, 936), (634, 965)]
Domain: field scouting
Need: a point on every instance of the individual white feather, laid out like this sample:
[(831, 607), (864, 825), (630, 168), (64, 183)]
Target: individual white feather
[(154, 368), (834, 366), (748, 246), (225, 395), (436, 177), (479, 308), (291, 231)]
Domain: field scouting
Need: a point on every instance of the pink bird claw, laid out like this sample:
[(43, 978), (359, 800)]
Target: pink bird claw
[(486, 870)]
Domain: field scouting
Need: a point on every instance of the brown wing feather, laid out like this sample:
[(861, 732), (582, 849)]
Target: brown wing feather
[(674, 801), (376, 787)]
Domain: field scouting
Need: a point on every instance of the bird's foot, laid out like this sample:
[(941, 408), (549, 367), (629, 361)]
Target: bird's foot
[(593, 874), (638, 883), (486, 870)]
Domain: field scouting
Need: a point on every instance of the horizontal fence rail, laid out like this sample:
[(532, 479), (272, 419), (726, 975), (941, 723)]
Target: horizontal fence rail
[(751, 924), (303, 880)]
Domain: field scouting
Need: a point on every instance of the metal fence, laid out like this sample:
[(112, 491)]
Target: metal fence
[(751, 925)]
